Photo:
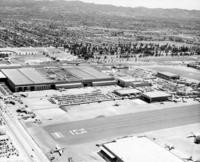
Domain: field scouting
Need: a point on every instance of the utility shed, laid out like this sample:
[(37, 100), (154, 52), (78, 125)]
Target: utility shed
[(168, 75), (155, 96), (136, 149)]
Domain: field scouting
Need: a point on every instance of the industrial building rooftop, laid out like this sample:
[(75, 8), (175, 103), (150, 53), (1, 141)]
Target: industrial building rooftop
[(127, 91), (24, 76), (138, 149), (22, 79), (155, 94)]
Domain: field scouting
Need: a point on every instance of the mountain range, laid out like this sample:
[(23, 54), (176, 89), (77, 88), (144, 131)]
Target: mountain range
[(62, 7)]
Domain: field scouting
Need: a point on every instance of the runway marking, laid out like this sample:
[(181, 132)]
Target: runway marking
[(77, 131), (57, 135), (125, 124)]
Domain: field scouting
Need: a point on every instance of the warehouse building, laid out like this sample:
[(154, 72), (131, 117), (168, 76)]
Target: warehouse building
[(136, 149), (125, 81), (127, 92), (168, 75), (89, 76), (130, 81), (25, 79), (104, 83), (31, 79), (2, 77), (155, 96)]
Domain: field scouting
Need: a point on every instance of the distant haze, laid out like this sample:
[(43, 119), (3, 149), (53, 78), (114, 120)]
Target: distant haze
[(182, 4)]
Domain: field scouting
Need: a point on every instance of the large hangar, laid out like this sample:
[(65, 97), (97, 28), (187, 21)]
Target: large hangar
[(136, 149), (31, 79), (26, 79), (88, 75)]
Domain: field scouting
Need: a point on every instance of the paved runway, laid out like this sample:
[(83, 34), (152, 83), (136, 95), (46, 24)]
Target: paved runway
[(120, 125)]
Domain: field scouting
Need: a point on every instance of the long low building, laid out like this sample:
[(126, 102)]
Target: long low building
[(127, 92), (25, 79), (31, 79), (130, 81), (168, 75), (136, 149)]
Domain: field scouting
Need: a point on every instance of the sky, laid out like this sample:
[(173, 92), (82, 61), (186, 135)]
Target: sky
[(183, 4)]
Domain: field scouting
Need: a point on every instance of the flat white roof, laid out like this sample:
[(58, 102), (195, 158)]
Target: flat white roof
[(125, 91), (2, 75), (156, 94), (126, 79), (23, 49), (24, 76), (135, 149), (168, 74)]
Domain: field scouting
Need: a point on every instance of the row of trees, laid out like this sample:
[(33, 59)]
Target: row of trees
[(87, 50)]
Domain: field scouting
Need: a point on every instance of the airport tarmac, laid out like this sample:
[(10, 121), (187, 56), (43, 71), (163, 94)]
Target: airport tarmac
[(100, 128)]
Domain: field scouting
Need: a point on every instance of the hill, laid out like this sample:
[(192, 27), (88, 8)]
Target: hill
[(76, 7)]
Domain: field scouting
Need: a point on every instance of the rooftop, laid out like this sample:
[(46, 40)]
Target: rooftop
[(33, 75), (24, 76), (140, 150), (86, 73), (168, 73), (2, 76), (127, 79), (125, 91), (155, 94), (16, 76)]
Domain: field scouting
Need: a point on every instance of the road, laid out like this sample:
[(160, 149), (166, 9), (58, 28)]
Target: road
[(101, 128), (31, 149)]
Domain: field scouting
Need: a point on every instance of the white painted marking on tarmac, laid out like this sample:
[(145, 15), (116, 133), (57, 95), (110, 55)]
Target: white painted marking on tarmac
[(57, 135), (71, 132), (77, 131)]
